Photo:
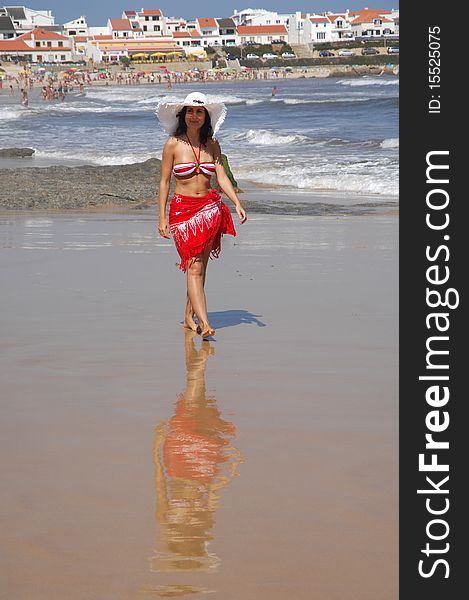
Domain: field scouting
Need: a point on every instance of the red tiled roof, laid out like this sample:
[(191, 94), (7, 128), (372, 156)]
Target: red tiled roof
[(121, 25), (207, 22), (16, 45), (368, 16), (319, 20), (150, 11), (260, 29), (42, 34), (186, 34), (336, 16), (102, 36)]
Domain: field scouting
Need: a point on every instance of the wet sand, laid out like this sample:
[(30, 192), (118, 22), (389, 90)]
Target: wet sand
[(138, 462)]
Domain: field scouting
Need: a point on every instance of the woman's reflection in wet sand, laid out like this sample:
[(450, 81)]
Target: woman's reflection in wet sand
[(193, 459)]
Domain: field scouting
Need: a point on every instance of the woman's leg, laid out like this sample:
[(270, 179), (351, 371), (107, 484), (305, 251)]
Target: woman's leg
[(189, 322), (196, 272)]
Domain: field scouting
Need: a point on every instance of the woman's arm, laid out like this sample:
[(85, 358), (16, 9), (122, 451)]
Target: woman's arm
[(165, 179), (225, 183)]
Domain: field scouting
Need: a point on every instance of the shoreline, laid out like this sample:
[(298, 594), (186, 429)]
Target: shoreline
[(133, 186), (241, 76)]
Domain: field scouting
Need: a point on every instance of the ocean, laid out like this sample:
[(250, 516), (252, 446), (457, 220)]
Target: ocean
[(316, 134)]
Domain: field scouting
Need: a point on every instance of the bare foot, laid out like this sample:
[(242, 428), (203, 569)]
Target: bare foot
[(207, 330), (189, 323)]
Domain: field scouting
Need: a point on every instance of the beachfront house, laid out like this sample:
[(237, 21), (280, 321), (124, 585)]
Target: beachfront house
[(262, 34), (7, 29), (341, 27), (122, 28), (317, 29), (208, 28), (371, 24), (190, 42), (174, 25), (38, 46), (150, 21), (227, 32), (264, 17), (26, 19), (259, 16), (76, 27)]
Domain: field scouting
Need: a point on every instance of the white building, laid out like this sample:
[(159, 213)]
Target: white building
[(217, 32), (76, 27), (39, 45), (175, 24), (370, 23), (7, 29), (227, 32), (317, 29), (26, 19), (341, 27), (262, 34), (123, 28), (190, 42), (150, 21), (208, 28)]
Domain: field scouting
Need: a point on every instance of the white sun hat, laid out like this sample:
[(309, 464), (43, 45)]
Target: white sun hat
[(167, 112)]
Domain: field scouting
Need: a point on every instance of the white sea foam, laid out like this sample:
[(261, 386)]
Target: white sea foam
[(263, 137), (369, 81), (390, 143), (367, 178), (8, 113), (331, 99), (93, 157)]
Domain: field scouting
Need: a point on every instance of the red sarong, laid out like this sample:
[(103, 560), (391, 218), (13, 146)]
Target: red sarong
[(198, 223)]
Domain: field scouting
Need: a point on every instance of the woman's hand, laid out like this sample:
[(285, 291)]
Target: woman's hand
[(163, 228), (241, 213)]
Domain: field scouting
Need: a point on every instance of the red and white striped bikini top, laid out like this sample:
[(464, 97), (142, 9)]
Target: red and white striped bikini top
[(185, 169)]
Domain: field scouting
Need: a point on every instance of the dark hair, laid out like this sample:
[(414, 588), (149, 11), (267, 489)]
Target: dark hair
[(206, 130)]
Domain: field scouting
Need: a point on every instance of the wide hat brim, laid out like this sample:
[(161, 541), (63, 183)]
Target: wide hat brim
[(167, 113)]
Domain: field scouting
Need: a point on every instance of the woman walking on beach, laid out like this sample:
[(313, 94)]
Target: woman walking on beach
[(197, 217)]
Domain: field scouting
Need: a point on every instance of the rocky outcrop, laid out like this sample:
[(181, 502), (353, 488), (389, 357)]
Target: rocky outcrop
[(16, 152), (87, 186)]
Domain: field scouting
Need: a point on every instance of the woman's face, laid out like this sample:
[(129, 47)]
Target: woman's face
[(195, 116)]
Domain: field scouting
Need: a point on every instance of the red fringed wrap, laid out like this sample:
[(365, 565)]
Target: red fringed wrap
[(197, 223)]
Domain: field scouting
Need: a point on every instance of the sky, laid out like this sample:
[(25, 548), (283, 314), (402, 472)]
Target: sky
[(98, 11)]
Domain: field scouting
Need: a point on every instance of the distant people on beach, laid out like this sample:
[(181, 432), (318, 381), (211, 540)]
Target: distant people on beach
[(24, 97)]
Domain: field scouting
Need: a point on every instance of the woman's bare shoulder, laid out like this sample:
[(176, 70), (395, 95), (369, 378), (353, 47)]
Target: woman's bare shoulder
[(215, 146), (171, 142)]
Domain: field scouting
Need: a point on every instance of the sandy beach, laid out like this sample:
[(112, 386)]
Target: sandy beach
[(138, 462)]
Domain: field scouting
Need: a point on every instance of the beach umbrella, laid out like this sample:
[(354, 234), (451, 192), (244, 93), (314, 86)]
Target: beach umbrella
[(140, 55)]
